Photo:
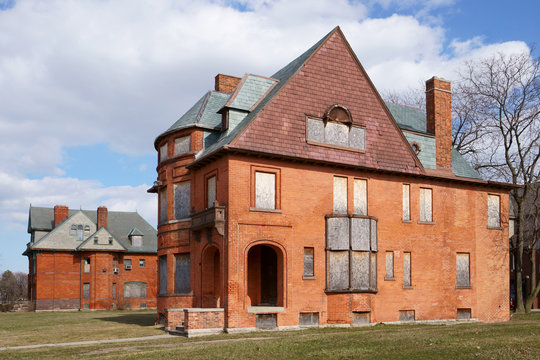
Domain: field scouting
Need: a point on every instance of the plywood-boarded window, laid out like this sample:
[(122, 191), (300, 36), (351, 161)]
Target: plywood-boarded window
[(406, 269), (163, 205), (494, 217), (210, 191), (406, 315), (265, 190), (163, 274), (135, 289), (114, 290), (361, 318), (426, 212), (182, 145), (360, 196), (86, 265), (308, 262), (406, 202), (335, 134), (309, 319), (182, 274), (86, 290), (182, 200), (340, 195), (463, 314), (462, 270), (389, 265), (163, 149)]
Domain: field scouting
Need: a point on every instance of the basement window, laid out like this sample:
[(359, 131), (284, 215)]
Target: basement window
[(310, 319), (463, 314), (360, 318), (406, 315)]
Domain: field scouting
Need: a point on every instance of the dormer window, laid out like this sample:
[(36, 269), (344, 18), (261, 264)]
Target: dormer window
[(110, 240), (336, 129), (73, 230), (136, 240), (95, 240)]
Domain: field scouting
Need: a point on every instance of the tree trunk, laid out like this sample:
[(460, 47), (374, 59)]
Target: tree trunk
[(520, 307), (535, 287)]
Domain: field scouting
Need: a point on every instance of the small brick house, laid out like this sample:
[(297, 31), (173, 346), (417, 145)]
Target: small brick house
[(81, 259), (302, 199)]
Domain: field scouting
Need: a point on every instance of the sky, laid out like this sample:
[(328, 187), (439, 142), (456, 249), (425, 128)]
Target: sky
[(86, 86)]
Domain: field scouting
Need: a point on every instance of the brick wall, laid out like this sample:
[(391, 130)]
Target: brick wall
[(439, 119)]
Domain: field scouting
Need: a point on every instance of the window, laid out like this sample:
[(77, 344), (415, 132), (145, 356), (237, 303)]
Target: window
[(463, 314), (114, 262), (351, 254), (73, 230), (182, 145), (182, 200), (360, 196), (309, 319), (86, 291), (142, 263), (265, 190), (135, 289), (340, 195), (308, 262), (86, 230), (407, 269), (110, 240), (86, 265), (210, 191), (79, 232), (163, 205), (462, 270), (127, 264), (425, 205), (163, 274), (136, 240), (95, 240), (336, 129), (494, 219), (182, 274), (406, 315), (114, 290), (406, 202), (163, 152), (389, 266)]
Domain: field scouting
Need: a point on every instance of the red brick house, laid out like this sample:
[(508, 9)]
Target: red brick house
[(81, 259), (302, 199)]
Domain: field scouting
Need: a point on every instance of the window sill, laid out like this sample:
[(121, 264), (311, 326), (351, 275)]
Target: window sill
[(336, 147), (309, 277), (406, 221), (426, 222), (463, 287), (408, 287), (389, 279), (494, 228), (276, 211)]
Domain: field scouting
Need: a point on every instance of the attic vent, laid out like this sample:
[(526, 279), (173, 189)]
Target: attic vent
[(338, 113), (416, 147)]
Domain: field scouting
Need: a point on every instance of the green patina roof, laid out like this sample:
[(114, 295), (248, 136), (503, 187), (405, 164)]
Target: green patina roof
[(408, 118), (119, 225), (204, 112), (252, 89)]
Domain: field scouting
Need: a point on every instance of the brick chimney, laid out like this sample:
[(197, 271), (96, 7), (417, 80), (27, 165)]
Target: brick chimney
[(439, 119), (226, 83), (61, 212), (101, 217)]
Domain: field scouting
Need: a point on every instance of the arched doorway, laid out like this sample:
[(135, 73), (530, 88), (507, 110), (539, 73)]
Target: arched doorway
[(265, 275), (211, 278)]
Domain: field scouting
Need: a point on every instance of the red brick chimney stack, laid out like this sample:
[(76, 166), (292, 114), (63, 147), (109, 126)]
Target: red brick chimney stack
[(439, 119), (101, 217), (226, 83), (61, 212)]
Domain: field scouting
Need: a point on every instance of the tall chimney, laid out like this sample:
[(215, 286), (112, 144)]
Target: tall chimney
[(61, 212), (101, 217), (226, 83), (439, 119)]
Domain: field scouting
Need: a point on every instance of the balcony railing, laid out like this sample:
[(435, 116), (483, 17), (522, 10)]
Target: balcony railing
[(209, 218)]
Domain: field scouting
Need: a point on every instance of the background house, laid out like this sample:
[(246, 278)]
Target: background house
[(82, 259), (302, 199)]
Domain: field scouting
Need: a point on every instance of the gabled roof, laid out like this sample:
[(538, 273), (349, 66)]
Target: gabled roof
[(119, 225), (89, 244), (408, 118), (250, 90), (135, 232)]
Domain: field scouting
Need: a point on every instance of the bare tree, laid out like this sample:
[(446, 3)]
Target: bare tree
[(532, 244), (505, 93)]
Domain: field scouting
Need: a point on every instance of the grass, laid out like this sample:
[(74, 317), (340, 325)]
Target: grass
[(517, 339)]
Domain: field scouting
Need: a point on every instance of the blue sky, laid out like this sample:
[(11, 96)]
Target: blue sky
[(85, 87)]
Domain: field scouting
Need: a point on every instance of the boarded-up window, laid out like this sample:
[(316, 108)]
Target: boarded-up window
[(182, 145), (211, 191), (135, 289), (182, 200), (86, 290), (360, 318), (389, 265), (406, 315), (425, 205), (337, 134), (351, 254), (163, 205), (163, 152), (163, 274), (265, 190), (462, 270), (114, 290), (340, 195), (86, 265), (406, 205), (136, 240), (309, 319), (360, 196), (494, 219), (308, 262), (182, 273), (463, 314), (266, 321), (406, 269)]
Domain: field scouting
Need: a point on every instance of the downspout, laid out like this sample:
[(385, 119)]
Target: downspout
[(80, 281)]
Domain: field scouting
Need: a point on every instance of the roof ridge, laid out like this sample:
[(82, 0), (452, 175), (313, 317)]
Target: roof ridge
[(203, 107)]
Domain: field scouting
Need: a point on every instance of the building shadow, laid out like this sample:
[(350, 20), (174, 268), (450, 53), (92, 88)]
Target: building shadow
[(135, 318)]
